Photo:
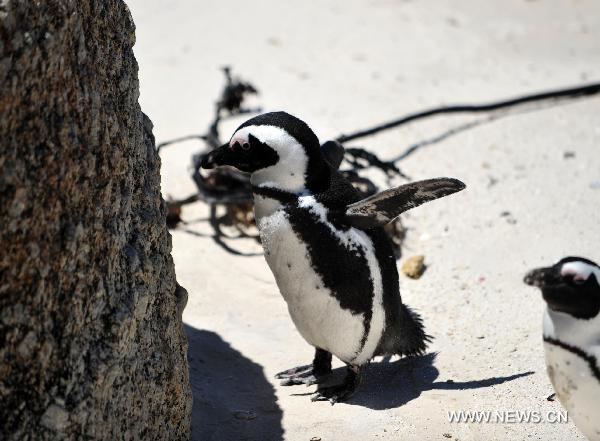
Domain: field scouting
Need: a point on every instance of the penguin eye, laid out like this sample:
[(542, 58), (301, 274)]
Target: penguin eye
[(571, 275), (574, 279), (246, 146)]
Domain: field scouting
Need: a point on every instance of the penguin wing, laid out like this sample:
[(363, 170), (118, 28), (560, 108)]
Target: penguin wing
[(384, 207)]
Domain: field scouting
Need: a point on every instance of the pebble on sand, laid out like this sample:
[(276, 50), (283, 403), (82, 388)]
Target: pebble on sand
[(414, 266)]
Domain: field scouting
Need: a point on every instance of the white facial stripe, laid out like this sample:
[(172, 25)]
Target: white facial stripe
[(288, 172), (241, 138), (566, 328), (579, 270), (270, 135)]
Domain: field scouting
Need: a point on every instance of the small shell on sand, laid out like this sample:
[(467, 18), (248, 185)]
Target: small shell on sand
[(414, 266)]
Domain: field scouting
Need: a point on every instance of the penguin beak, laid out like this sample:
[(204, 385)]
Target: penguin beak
[(541, 277), (223, 155)]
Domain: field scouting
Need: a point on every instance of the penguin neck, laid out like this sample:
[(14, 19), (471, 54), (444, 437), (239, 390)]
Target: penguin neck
[(271, 181), (286, 181), (567, 329), (297, 174), (287, 174), (269, 200), (275, 186)]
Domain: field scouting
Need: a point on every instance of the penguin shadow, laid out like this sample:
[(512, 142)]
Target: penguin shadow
[(387, 385), (233, 400)]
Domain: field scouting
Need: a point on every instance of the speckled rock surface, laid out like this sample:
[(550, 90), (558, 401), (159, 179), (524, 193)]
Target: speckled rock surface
[(91, 341)]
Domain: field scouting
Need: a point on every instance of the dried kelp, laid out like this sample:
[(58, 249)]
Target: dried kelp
[(231, 189)]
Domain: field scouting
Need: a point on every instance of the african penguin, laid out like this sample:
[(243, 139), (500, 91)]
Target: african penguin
[(571, 289), (332, 261)]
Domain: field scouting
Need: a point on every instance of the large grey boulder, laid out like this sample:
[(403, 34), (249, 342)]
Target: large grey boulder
[(91, 340)]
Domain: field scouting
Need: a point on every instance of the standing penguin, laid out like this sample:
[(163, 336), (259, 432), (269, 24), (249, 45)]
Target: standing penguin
[(571, 288), (330, 256)]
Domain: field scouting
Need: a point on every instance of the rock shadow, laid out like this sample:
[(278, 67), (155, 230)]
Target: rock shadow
[(233, 400)]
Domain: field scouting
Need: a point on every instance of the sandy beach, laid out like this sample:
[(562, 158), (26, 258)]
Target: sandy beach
[(532, 197)]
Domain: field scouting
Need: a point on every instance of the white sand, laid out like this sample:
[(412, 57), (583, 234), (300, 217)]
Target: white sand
[(347, 65)]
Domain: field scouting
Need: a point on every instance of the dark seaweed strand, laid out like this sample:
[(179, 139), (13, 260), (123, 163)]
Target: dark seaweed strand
[(575, 92), (590, 359)]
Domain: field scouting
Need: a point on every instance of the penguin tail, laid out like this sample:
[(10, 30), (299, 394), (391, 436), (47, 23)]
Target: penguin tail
[(406, 337), (412, 339)]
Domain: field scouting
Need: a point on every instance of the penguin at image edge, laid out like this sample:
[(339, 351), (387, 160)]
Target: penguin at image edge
[(571, 289), (332, 261)]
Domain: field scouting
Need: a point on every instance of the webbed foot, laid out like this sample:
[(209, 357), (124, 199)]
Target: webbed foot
[(310, 373), (340, 392)]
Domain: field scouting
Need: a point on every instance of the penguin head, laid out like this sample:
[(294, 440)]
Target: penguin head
[(570, 286), (277, 149)]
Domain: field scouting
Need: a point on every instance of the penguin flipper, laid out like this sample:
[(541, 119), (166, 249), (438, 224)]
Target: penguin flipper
[(333, 152), (384, 207)]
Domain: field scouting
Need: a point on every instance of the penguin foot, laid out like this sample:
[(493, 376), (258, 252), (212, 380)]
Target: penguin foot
[(293, 372), (308, 374), (340, 392), (308, 378), (299, 375)]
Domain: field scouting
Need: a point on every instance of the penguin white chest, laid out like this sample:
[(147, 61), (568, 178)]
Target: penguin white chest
[(576, 387), (315, 311)]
